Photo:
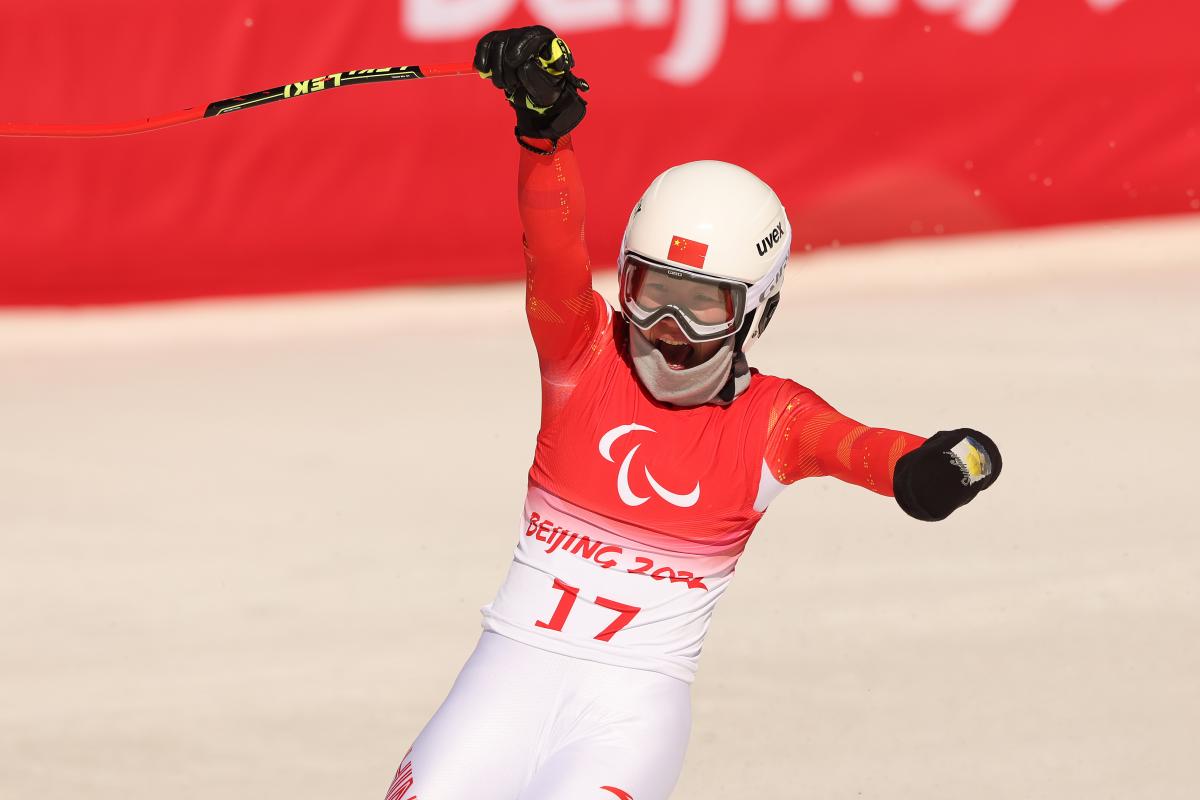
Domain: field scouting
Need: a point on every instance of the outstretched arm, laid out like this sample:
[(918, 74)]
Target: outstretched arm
[(929, 478), (812, 439)]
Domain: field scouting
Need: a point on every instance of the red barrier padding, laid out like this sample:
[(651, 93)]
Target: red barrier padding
[(872, 118)]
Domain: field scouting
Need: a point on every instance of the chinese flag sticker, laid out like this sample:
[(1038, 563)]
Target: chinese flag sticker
[(685, 251)]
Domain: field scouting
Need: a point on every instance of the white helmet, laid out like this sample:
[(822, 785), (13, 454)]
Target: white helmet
[(713, 224)]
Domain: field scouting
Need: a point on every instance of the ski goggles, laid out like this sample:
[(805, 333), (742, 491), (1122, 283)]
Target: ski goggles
[(705, 307)]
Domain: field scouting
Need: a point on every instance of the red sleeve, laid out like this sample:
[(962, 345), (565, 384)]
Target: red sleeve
[(563, 311), (810, 439)]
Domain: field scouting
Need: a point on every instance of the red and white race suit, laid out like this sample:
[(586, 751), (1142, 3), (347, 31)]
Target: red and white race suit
[(635, 518), (637, 511)]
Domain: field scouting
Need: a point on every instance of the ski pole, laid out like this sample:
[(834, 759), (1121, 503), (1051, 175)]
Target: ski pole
[(322, 83)]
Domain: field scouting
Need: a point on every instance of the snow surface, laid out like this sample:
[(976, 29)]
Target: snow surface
[(243, 544)]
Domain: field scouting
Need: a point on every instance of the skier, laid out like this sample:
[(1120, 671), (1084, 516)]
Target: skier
[(658, 453)]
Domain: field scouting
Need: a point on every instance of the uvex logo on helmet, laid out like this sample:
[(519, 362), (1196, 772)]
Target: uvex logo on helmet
[(770, 240)]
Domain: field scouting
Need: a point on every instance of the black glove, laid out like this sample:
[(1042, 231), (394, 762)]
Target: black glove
[(533, 67), (944, 473)]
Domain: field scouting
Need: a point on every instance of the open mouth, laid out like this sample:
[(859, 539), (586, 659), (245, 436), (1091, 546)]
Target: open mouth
[(676, 353)]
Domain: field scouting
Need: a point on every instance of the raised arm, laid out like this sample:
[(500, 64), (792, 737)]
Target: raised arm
[(533, 68), (563, 311), (929, 478)]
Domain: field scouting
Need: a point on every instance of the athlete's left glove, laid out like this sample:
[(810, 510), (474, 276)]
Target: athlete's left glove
[(946, 472), (533, 67)]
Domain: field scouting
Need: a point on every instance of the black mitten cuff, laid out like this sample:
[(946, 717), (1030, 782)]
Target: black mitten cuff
[(559, 120)]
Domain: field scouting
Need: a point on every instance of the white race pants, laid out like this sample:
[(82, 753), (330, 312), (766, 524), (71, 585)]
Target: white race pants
[(522, 723)]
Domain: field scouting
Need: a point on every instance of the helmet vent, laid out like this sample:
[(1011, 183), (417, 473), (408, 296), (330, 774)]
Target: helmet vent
[(768, 312)]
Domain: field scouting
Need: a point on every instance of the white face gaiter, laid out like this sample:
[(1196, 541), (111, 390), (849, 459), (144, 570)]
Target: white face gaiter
[(694, 386)]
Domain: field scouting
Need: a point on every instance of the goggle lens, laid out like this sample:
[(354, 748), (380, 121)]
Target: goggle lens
[(705, 308), (707, 303)]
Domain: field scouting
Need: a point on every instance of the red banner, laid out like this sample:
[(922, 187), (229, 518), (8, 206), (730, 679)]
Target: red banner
[(872, 119)]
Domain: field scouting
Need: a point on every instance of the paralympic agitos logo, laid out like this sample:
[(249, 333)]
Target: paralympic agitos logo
[(701, 26), (624, 490)]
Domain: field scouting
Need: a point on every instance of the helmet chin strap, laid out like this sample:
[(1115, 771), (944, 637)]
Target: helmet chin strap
[(721, 378)]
